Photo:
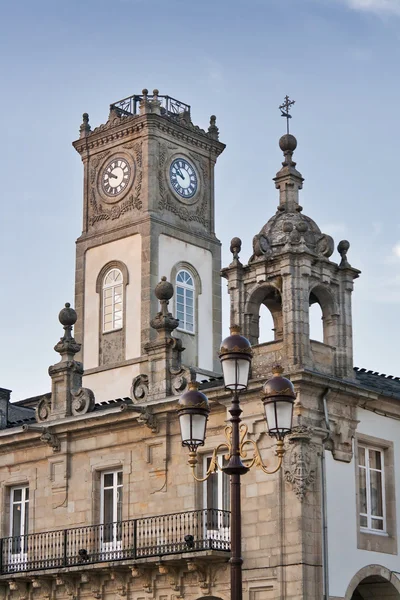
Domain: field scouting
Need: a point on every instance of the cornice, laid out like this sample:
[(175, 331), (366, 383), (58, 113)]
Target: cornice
[(110, 133)]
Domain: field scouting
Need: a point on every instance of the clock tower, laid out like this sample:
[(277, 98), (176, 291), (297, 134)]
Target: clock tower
[(148, 213)]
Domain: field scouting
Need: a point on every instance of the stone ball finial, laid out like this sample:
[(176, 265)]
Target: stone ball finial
[(145, 92), (213, 119), (67, 316), (236, 245), (164, 289), (85, 117), (343, 247), (288, 143), (156, 92)]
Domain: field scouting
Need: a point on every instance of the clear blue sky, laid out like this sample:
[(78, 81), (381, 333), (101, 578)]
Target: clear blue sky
[(339, 59)]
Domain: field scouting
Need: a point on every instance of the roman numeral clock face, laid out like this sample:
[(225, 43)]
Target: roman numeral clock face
[(116, 177), (183, 178)]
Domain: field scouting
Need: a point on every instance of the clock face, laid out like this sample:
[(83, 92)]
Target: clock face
[(183, 178), (116, 177)]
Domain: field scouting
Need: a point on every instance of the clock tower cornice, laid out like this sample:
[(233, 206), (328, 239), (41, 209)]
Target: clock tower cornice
[(114, 132)]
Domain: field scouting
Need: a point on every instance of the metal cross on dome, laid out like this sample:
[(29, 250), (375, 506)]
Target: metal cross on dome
[(285, 108)]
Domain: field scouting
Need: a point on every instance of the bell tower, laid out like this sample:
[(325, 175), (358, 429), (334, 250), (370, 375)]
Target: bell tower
[(148, 212), (290, 269)]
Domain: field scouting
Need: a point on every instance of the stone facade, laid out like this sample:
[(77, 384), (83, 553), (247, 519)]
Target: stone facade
[(166, 543)]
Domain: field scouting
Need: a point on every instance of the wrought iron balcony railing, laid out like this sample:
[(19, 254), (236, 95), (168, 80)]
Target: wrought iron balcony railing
[(169, 106), (123, 540)]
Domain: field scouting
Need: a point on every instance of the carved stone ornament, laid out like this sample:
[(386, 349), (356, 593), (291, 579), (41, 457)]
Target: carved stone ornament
[(45, 587), (299, 462), (83, 401), (140, 388), (181, 379), (70, 586), (100, 212), (19, 590), (174, 576), (119, 579), (144, 573), (51, 440), (169, 202), (42, 411), (148, 419)]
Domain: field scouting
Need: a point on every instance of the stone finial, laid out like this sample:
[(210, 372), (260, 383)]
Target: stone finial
[(288, 145), (288, 180), (145, 105), (67, 346), (164, 322), (84, 129), (155, 103), (213, 130), (343, 248), (236, 246)]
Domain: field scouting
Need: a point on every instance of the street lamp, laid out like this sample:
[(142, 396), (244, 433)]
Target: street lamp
[(278, 399)]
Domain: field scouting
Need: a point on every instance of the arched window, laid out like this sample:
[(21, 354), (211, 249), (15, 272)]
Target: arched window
[(185, 294), (112, 300)]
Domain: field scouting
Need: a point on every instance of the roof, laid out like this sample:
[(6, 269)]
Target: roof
[(385, 385)]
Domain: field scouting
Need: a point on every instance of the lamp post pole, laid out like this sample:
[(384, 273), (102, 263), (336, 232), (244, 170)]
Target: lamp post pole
[(235, 468), (278, 399)]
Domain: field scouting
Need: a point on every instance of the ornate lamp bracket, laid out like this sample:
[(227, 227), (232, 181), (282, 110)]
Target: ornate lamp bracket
[(244, 444)]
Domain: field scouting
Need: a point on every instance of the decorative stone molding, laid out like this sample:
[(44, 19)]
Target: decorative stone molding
[(343, 432), (181, 379), (170, 203), (42, 411), (44, 587), (149, 420), (147, 575), (51, 440), (70, 585), (140, 388), (19, 590), (95, 583), (206, 573), (174, 577), (101, 213), (83, 401), (300, 462), (120, 582)]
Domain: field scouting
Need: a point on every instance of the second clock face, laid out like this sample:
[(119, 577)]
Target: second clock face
[(183, 178), (116, 177)]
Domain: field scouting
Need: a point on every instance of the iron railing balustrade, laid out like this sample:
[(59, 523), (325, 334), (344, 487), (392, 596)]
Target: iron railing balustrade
[(169, 106), (137, 538)]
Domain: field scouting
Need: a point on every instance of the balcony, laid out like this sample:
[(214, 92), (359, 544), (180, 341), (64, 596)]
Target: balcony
[(179, 533)]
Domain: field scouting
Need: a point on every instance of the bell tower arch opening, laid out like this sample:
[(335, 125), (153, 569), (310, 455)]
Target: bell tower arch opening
[(263, 310), (323, 306)]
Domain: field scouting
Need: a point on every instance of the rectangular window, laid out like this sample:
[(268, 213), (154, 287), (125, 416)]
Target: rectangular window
[(19, 522), (111, 509), (216, 495), (371, 489)]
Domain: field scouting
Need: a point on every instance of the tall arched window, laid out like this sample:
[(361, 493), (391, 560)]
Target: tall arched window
[(112, 300), (185, 294)]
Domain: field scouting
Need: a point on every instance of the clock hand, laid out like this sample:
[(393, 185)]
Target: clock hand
[(112, 175), (179, 172)]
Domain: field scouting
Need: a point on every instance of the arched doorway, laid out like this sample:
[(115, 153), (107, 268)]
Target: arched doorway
[(375, 587), (374, 581)]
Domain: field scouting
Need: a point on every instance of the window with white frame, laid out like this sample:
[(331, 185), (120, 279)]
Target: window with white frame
[(19, 520), (112, 300), (111, 507), (185, 298), (371, 489), (216, 495)]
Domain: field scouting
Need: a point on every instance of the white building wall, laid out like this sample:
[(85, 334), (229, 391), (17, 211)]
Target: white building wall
[(113, 383), (345, 559), (128, 251), (173, 251)]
